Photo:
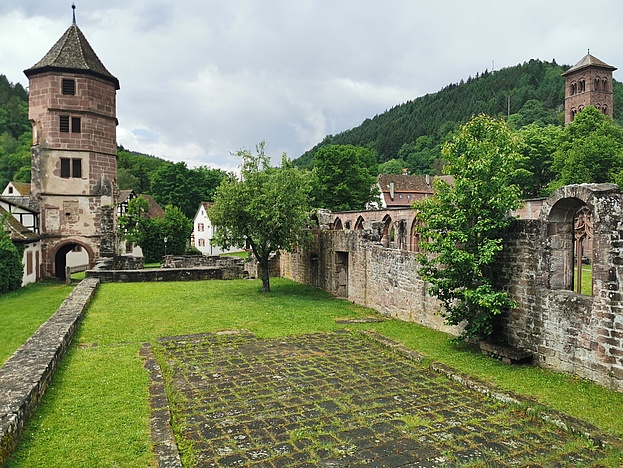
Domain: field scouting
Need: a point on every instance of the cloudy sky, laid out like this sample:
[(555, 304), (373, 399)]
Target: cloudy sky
[(201, 79)]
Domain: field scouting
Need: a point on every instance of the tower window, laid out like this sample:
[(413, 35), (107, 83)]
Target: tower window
[(75, 125), (65, 122), (71, 168), (68, 87)]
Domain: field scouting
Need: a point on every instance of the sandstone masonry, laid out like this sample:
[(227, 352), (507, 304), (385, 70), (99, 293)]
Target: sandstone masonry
[(374, 264)]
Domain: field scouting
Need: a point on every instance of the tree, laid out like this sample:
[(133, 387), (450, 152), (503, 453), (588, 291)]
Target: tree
[(176, 184), (11, 266), (393, 166), (149, 233), (590, 150), (462, 224), (344, 177), (267, 210), (538, 144)]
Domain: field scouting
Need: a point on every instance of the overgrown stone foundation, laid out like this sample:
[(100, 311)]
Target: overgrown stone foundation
[(564, 330)]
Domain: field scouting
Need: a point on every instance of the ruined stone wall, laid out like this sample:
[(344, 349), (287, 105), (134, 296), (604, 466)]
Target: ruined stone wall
[(565, 330), (350, 265)]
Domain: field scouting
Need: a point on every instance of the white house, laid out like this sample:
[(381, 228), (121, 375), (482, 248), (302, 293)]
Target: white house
[(203, 232)]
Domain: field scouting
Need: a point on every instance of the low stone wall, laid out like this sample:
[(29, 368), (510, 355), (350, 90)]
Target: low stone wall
[(167, 274), (27, 373), (183, 268)]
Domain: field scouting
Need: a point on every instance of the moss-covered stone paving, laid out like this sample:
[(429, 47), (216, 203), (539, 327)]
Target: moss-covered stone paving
[(337, 399)]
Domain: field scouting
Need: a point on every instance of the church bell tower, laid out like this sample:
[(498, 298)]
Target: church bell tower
[(72, 108), (588, 83)]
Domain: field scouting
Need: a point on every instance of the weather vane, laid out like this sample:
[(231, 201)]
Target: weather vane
[(73, 7)]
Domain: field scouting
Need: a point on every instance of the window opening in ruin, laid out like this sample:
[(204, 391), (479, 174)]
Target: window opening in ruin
[(583, 251), (347, 224), (69, 87), (415, 236), (359, 223), (388, 232), (337, 224)]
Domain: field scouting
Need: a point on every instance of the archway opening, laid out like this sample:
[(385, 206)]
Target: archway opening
[(72, 255)]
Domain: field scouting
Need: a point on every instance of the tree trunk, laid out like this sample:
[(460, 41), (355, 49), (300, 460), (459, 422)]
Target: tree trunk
[(265, 267)]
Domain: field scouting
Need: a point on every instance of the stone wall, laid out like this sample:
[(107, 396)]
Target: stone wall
[(25, 376), (565, 330), (128, 269), (350, 265)]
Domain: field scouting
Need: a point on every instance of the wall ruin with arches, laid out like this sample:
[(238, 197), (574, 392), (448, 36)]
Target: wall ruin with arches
[(370, 258)]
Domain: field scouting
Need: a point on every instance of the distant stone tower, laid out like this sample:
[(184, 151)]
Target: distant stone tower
[(588, 83), (72, 107)]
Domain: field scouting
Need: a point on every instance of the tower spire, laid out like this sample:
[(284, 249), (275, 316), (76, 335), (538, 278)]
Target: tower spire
[(73, 7)]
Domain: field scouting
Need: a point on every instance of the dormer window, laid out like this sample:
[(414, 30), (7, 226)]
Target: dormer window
[(68, 87)]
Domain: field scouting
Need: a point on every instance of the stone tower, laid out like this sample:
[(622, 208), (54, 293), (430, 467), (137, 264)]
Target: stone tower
[(72, 107), (588, 83)]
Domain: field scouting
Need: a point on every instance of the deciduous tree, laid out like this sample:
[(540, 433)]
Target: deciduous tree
[(344, 177), (267, 210), (590, 150), (462, 224), (11, 266)]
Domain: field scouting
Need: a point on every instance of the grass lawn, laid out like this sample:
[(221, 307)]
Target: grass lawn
[(24, 310), (96, 412)]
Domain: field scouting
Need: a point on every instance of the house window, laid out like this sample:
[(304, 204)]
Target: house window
[(29, 265), (200, 227), (69, 87), (65, 121), (202, 242), (10, 189), (71, 168)]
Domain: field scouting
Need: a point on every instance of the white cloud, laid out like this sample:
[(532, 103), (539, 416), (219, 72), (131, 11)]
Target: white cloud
[(203, 78)]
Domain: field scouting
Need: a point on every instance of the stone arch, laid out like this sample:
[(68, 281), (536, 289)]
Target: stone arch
[(359, 223), (337, 224), (386, 237), (59, 255), (573, 222)]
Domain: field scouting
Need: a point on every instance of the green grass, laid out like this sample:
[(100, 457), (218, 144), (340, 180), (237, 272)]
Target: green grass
[(241, 254), (587, 280), (97, 409), (106, 385), (24, 310)]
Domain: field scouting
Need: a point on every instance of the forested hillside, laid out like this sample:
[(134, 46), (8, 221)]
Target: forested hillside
[(15, 139), (534, 91)]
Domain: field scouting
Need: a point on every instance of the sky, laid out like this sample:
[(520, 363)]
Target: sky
[(202, 79)]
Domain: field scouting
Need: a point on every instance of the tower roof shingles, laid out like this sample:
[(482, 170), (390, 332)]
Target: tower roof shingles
[(72, 52), (589, 61)]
